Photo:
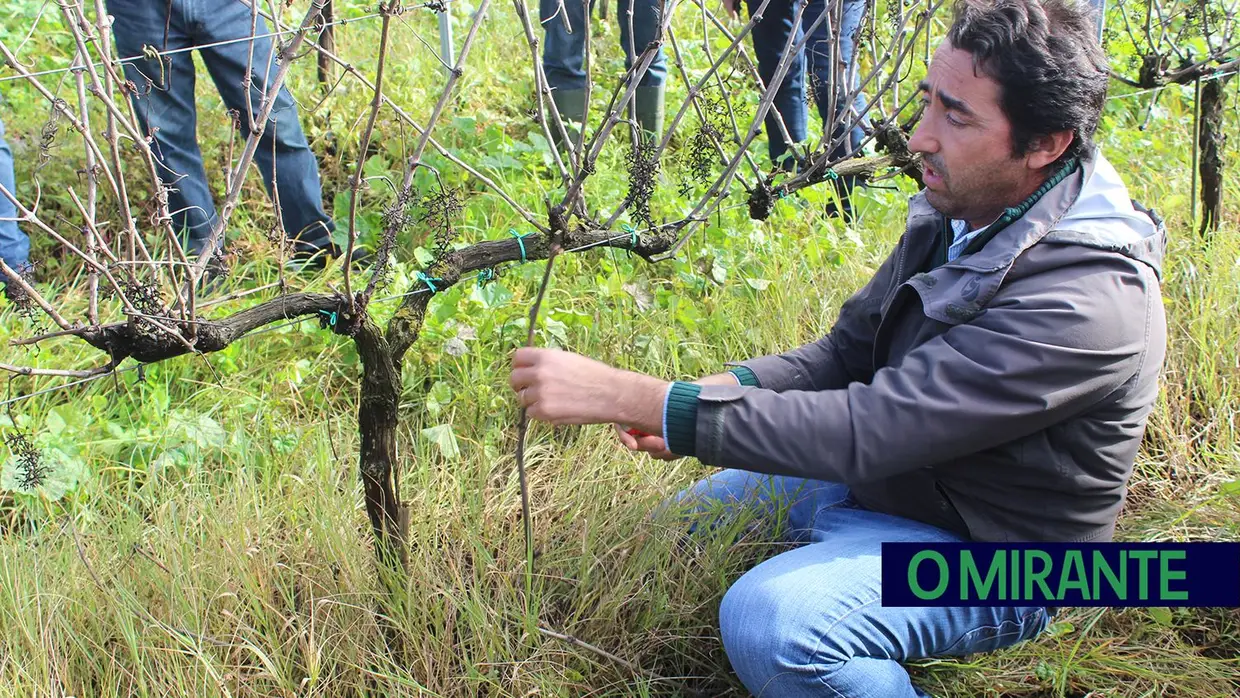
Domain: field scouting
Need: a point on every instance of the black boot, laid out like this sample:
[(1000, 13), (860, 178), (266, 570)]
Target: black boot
[(572, 107), (649, 110)]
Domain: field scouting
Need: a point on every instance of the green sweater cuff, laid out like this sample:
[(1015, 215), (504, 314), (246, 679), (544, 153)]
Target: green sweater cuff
[(680, 418), (745, 375)]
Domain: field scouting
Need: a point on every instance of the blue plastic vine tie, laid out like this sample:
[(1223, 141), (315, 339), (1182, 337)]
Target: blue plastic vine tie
[(485, 275), (520, 241), (429, 281), (331, 317), (632, 237), (831, 174)]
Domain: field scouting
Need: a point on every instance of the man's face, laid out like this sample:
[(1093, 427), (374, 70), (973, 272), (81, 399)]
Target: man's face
[(966, 143)]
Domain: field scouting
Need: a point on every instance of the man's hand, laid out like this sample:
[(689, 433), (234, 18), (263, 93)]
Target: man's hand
[(733, 7), (654, 446), (561, 387)]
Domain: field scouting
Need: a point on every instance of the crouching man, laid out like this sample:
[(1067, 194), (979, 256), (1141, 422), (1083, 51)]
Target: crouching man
[(991, 382)]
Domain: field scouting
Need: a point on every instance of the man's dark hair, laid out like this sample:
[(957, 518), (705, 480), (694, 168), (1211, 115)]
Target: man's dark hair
[(1045, 56)]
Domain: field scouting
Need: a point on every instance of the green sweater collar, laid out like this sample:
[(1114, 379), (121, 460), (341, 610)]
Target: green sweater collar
[(1009, 216)]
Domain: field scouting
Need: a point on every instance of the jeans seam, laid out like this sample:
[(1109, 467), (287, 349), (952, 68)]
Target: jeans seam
[(827, 632), (1024, 619), (817, 649)]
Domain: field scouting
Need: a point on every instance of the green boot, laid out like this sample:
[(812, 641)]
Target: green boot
[(650, 112), (572, 107)]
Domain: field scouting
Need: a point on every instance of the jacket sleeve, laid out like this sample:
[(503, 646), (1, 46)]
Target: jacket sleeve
[(1038, 354), (844, 355)]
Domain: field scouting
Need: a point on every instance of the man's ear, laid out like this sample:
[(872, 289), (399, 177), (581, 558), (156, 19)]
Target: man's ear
[(1045, 150)]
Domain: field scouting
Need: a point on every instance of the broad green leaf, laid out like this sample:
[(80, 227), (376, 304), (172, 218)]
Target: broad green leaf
[(1161, 615), (55, 424), (641, 296), (177, 458), (423, 256), (1060, 628), (63, 473), (492, 295), (443, 437), (502, 161), (200, 430), (440, 394), (558, 330)]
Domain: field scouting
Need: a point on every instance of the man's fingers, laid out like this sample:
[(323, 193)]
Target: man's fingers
[(526, 356), (626, 438), (655, 447), (530, 356), (520, 378)]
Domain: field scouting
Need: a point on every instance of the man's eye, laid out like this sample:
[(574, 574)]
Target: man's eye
[(951, 119)]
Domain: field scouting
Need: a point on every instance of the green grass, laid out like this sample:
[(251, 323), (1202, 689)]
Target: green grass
[(215, 541)]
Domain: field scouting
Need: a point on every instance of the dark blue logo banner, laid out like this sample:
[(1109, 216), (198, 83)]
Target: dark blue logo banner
[(1061, 574)]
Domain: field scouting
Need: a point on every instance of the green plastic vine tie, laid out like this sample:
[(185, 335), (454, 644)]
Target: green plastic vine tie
[(632, 237), (831, 174), (520, 241), (331, 317), (485, 276), (429, 281)]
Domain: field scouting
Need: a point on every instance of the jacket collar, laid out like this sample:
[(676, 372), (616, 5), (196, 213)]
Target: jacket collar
[(1020, 226), (959, 291)]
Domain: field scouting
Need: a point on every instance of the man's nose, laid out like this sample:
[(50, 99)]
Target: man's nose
[(923, 141)]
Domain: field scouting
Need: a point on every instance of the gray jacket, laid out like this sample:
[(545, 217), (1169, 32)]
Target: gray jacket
[(1003, 395)]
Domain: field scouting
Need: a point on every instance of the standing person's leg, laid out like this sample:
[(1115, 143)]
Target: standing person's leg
[(841, 113), (563, 58), (14, 244), (164, 103), (839, 77), (809, 622), (283, 156), (650, 91), (769, 37), (1100, 7)]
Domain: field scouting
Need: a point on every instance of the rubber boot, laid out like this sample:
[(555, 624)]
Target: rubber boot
[(572, 107), (650, 112)]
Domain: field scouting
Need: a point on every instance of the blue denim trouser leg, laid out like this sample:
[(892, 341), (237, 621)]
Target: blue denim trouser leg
[(1100, 6), (14, 245), (165, 106), (820, 50), (564, 53), (769, 38), (808, 622)]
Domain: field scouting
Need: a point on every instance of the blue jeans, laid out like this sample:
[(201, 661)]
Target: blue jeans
[(769, 37), (164, 102), (808, 622), (1100, 6), (564, 53), (14, 245)]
